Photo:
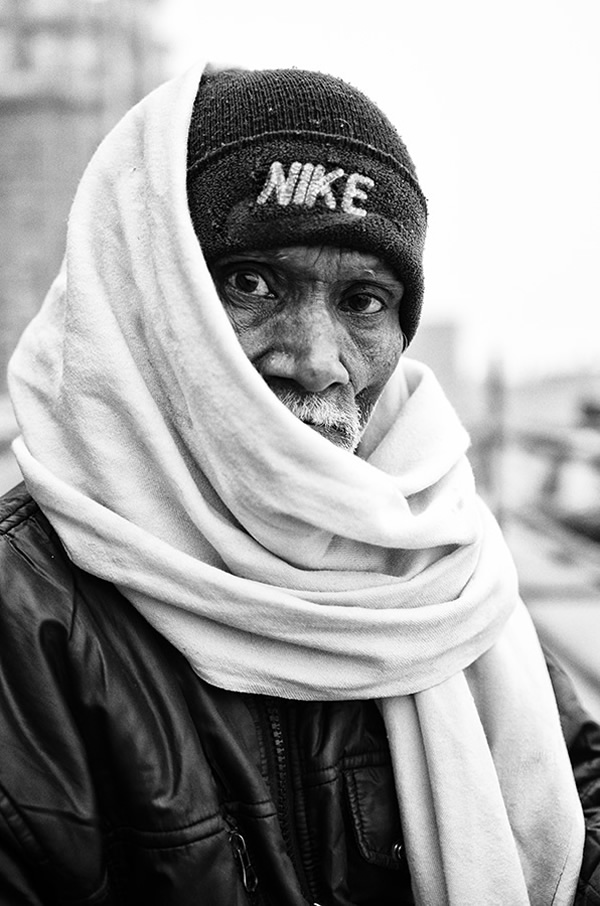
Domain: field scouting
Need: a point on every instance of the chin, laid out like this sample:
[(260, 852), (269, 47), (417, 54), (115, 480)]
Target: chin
[(339, 436)]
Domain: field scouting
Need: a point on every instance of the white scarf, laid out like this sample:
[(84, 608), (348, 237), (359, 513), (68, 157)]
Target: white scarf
[(275, 561)]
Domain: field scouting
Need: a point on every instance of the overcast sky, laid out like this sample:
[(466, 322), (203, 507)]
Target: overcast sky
[(499, 105)]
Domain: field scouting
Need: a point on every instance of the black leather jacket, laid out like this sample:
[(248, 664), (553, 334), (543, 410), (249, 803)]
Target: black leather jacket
[(125, 779)]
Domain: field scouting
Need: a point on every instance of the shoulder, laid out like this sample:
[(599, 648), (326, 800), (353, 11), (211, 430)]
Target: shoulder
[(52, 612), (15, 507), (40, 703), (48, 602), (36, 575)]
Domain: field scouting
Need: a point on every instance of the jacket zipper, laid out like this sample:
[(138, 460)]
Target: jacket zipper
[(284, 800), (242, 857)]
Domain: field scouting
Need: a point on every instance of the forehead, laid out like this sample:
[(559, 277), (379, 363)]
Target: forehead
[(321, 262)]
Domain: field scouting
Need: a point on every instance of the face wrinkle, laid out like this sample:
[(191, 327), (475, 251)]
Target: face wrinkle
[(340, 411)]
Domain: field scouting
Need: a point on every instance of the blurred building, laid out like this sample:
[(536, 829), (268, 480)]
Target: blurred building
[(69, 69)]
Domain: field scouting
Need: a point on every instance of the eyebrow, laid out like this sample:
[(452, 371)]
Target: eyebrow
[(269, 258), (370, 275)]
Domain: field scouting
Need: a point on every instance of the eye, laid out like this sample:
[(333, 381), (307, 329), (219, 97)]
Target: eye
[(363, 304), (248, 282)]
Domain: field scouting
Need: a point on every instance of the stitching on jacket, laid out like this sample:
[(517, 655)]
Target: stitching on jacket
[(585, 889), (160, 840), (16, 824), (383, 858), (356, 813), (20, 829), (25, 558), (587, 792), (17, 516), (366, 847)]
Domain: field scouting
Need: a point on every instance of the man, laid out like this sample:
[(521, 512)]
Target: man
[(261, 640)]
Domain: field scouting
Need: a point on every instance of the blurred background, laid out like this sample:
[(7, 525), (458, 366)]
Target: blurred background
[(499, 105)]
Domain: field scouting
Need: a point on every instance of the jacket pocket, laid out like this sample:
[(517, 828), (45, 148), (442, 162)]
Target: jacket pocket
[(376, 819)]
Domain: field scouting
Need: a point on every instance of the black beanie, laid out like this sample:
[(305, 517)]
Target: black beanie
[(290, 157)]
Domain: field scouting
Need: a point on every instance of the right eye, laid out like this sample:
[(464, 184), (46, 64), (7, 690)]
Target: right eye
[(250, 283)]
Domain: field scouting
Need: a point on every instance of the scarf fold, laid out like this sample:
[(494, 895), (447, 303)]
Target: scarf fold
[(275, 561)]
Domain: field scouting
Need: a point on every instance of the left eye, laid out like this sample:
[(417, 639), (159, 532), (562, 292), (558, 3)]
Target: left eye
[(363, 304)]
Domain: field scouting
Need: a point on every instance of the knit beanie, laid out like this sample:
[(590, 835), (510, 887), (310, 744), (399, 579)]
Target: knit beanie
[(291, 157)]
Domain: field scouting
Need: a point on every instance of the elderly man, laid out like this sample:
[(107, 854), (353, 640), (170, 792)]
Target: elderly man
[(262, 642)]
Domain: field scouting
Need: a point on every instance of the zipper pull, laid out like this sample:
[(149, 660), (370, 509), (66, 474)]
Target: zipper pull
[(240, 851)]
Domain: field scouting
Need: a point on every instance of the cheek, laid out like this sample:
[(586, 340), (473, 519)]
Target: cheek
[(380, 355), (252, 337), (252, 343)]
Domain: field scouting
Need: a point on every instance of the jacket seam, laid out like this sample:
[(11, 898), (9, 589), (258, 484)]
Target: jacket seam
[(14, 519), (586, 794), (33, 566), (116, 840), (328, 774), (585, 888), (370, 852), (24, 836), (34, 850), (128, 829)]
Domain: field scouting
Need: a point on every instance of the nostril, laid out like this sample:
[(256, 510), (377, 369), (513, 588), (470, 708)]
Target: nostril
[(315, 380), (303, 374)]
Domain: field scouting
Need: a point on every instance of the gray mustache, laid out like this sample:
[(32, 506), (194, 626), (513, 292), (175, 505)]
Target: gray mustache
[(336, 410), (318, 409)]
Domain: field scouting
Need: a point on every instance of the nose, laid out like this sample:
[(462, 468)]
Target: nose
[(308, 350)]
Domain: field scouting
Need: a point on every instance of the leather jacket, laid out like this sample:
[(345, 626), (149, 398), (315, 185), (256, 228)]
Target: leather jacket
[(126, 779)]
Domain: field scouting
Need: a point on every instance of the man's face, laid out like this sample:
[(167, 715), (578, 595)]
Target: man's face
[(321, 326)]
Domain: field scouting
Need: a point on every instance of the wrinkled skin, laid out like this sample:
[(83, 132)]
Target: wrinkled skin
[(321, 326)]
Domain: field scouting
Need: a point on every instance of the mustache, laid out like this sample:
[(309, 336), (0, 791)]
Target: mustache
[(335, 413)]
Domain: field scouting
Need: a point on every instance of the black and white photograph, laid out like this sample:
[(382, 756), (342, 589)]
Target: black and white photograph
[(299, 453)]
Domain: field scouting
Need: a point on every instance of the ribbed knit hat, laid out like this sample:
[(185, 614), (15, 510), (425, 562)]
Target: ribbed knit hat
[(291, 157)]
